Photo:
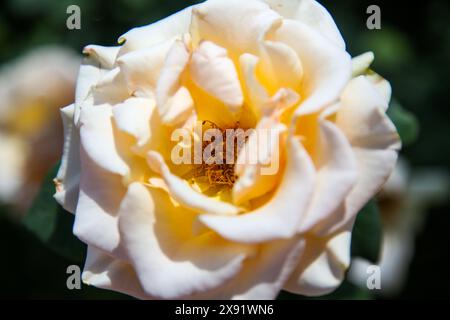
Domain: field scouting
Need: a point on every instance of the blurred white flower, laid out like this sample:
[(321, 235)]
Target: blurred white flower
[(404, 201), (32, 88)]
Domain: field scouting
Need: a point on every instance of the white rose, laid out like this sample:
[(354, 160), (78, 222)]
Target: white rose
[(32, 88), (155, 231)]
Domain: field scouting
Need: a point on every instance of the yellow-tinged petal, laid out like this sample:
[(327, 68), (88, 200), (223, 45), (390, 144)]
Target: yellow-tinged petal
[(68, 177), (184, 194), (174, 101), (322, 265), (214, 72), (169, 262), (239, 30), (280, 216)]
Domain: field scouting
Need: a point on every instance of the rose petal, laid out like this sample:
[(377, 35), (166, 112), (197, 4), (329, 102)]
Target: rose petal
[(96, 213), (214, 72), (142, 68), (336, 175), (106, 56), (279, 218), (169, 263), (240, 30), (133, 117), (279, 67), (103, 271), (111, 88), (174, 102), (322, 266), (97, 139), (326, 67), (312, 13), (184, 194), (155, 33), (68, 177), (375, 145)]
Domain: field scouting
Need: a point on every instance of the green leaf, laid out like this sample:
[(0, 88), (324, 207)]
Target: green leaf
[(367, 233), (52, 224), (406, 123)]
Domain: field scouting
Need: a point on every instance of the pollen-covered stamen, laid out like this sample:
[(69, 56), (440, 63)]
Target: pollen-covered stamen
[(218, 170)]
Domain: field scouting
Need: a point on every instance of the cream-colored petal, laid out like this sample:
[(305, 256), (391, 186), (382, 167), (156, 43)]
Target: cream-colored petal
[(259, 177), (279, 67), (174, 101), (326, 67), (133, 117), (103, 271), (111, 88), (236, 25), (184, 194), (95, 66), (155, 33), (336, 175), (322, 266), (375, 143), (361, 63), (382, 85), (256, 94), (97, 139), (263, 275), (169, 265), (106, 56), (142, 68), (89, 75), (360, 67), (67, 180), (279, 218), (362, 119), (214, 72), (101, 193), (252, 183), (312, 13)]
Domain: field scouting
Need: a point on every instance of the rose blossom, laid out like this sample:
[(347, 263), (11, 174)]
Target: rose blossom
[(155, 229), (32, 88)]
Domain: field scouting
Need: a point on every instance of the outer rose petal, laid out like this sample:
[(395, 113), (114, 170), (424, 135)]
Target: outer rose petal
[(104, 271), (263, 275), (97, 207), (158, 32), (105, 56), (336, 175), (312, 13), (280, 67), (98, 61), (170, 264), (133, 116), (239, 31), (326, 67), (97, 139), (142, 68), (322, 266), (68, 177), (360, 66), (375, 143), (278, 218)]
